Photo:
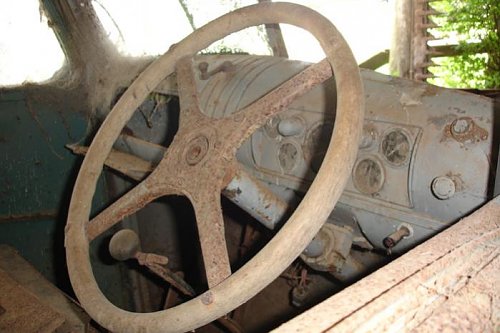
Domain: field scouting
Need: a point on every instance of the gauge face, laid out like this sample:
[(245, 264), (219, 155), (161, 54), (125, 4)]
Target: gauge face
[(368, 175), (288, 155), (317, 144), (369, 137), (271, 127), (396, 147)]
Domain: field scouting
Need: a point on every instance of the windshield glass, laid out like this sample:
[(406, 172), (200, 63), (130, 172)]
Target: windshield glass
[(29, 50)]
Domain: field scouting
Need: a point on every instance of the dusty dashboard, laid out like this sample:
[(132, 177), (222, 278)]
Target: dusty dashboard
[(423, 161)]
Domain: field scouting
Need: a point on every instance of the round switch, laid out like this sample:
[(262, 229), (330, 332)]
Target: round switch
[(124, 245), (291, 126), (443, 187)]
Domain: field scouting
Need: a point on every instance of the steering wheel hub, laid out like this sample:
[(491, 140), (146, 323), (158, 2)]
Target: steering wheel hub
[(196, 150)]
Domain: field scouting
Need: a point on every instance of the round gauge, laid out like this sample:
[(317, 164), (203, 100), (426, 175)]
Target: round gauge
[(271, 127), (317, 143), (288, 155), (396, 147), (368, 175), (369, 137)]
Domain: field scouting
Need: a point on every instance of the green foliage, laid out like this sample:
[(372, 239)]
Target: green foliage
[(475, 24)]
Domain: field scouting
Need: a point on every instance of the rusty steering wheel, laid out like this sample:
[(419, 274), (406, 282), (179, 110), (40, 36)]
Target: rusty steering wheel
[(200, 162)]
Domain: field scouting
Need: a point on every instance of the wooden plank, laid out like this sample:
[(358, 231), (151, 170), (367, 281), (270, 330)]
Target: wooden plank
[(404, 294), (275, 38), (23, 311), (18, 269), (376, 61)]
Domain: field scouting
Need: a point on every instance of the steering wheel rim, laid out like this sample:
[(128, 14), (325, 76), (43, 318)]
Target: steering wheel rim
[(293, 237)]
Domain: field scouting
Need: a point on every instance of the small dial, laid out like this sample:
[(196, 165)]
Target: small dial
[(368, 175), (317, 143), (288, 155), (396, 147)]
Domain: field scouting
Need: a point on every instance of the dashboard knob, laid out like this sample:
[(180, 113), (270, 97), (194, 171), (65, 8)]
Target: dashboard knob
[(291, 126), (443, 187)]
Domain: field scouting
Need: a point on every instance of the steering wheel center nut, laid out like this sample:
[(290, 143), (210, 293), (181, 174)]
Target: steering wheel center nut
[(196, 150)]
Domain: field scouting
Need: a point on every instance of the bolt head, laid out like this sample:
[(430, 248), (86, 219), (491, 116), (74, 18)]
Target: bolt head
[(461, 126), (207, 298), (443, 187), (196, 150)]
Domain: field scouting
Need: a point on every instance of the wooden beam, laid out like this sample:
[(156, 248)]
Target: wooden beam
[(432, 278), (376, 61), (275, 38)]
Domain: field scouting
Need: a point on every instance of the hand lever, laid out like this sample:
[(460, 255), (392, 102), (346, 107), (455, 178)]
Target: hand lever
[(124, 245)]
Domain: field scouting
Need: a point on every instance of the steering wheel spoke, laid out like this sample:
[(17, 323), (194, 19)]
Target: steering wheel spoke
[(131, 202), (188, 93), (257, 113), (210, 223)]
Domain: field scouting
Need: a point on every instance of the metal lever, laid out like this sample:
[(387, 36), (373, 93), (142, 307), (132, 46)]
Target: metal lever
[(394, 238), (125, 244), (226, 66)]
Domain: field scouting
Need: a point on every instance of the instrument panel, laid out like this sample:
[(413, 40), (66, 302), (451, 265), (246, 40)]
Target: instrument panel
[(424, 155)]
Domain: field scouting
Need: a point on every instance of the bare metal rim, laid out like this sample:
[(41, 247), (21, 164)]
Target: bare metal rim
[(288, 242)]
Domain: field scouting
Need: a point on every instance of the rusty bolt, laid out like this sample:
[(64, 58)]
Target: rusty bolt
[(203, 67), (196, 150), (394, 238), (207, 298), (461, 126)]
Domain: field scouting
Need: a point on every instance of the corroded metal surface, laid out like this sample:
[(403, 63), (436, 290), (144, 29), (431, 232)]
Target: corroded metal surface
[(243, 189), (224, 136), (465, 130), (337, 245), (172, 278), (204, 148)]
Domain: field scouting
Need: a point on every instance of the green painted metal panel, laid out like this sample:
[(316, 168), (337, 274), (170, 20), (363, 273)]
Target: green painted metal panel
[(37, 174), (36, 170)]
